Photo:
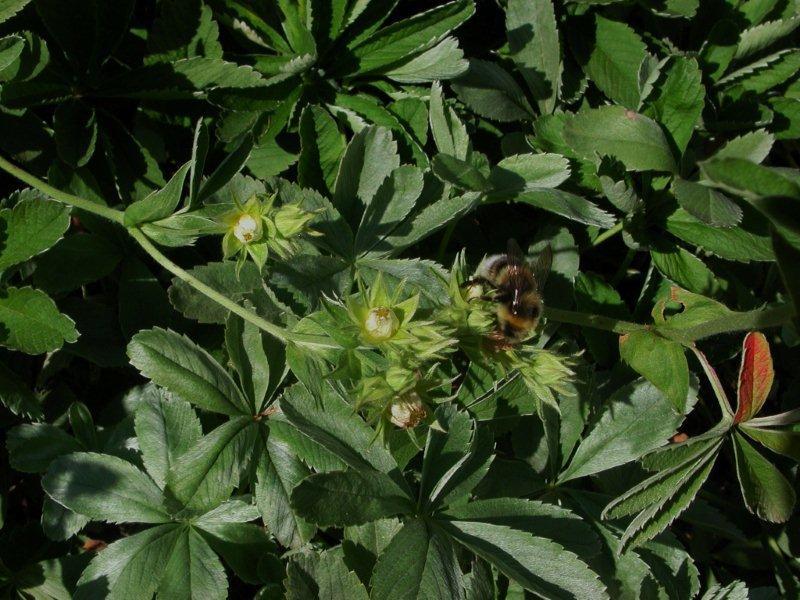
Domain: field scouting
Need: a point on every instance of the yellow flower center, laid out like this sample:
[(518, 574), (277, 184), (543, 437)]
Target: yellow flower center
[(245, 229)]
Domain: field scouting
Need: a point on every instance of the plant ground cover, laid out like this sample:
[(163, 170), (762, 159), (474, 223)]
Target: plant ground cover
[(251, 344)]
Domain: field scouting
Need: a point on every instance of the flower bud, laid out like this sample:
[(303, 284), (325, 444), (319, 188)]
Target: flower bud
[(407, 412), (381, 324), (473, 291), (291, 220), (246, 229)]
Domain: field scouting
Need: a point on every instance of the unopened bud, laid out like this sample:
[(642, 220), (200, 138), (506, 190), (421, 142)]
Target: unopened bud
[(381, 324), (407, 412)]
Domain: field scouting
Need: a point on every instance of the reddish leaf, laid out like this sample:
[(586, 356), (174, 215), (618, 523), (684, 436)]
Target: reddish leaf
[(755, 376)]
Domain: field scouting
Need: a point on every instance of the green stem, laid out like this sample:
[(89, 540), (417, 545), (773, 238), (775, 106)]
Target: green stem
[(42, 186), (607, 234), (593, 321), (280, 333)]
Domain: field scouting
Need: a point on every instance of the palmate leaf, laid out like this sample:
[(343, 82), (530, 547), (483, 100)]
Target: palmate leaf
[(176, 363), (443, 61), (33, 446), (104, 487), (17, 396), (330, 421), (704, 203), (351, 497), (660, 499), (165, 428), (193, 569), (449, 133), (537, 564), (208, 472), (618, 437), (400, 40), (8, 8), (661, 361), (369, 159), (418, 564), (766, 491), (279, 471), (322, 147), (491, 92), (159, 204)]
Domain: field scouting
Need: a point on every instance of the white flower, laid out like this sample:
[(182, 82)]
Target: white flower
[(408, 411), (246, 229), (381, 323)]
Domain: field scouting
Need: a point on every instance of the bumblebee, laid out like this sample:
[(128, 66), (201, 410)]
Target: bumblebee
[(516, 286)]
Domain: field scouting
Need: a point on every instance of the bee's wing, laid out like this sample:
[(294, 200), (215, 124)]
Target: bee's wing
[(516, 263), (541, 268)]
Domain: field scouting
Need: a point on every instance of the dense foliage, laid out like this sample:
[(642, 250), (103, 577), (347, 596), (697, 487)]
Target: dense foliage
[(244, 352)]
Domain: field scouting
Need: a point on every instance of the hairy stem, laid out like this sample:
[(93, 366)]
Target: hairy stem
[(593, 321), (608, 233), (42, 186), (280, 333)]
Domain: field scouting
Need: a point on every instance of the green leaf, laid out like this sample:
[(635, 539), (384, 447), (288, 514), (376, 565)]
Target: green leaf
[(447, 443), (534, 48), (159, 204), (247, 354), (491, 92), (222, 277), (615, 62), (782, 441), (32, 447), (678, 101), (30, 322), (322, 147), (419, 563), (182, 30), (349, 497), (165, 429), (60, 523), (369, 159), (88, 32), (570, 206), (537, 518), (665, 500), (529, 171), (75, 261), (193, 570), (660, 361), (8, 8), (30, 227), (17, 396), (335, 579), (392, 203), (706, 204), (537, 564), (176, 363), (331, 422), (104, 488), (448, 131), (631, 138), (143, 302), (763, 74), (226, 170), (443, 61), (459, 173), (131, 567), (753, 146), (75, 126), (765, 490), (734, 243), (279, 471), (207, 473), (246, 549), (618, 437), (684, 268), (392, 44), (720, 48)]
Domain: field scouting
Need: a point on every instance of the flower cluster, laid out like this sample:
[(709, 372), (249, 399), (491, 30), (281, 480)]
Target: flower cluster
[(258, 227)]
